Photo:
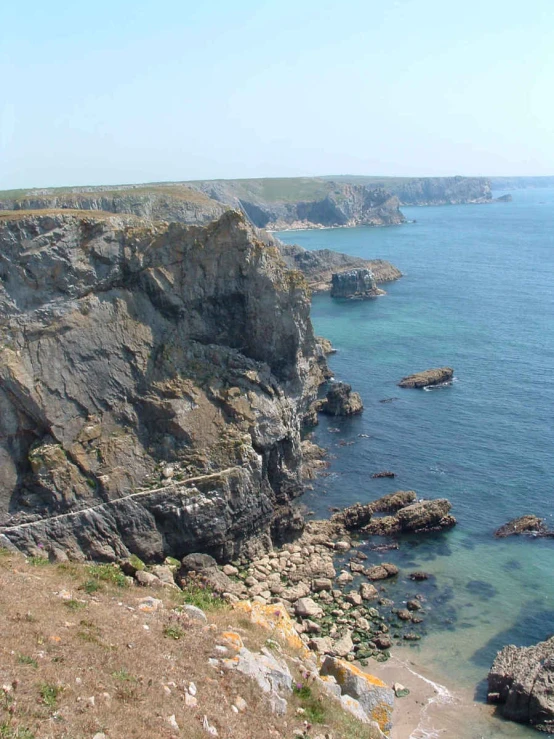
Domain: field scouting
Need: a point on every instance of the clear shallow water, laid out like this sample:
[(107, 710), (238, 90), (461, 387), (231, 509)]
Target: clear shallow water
[(478, 295)]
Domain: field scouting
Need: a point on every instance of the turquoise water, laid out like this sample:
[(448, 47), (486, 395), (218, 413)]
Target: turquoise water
[(477, 295)]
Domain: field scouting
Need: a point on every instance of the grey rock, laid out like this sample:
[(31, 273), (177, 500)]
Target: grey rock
[(307, 608), (195, 613), (341, 401), (354, 284), (521, 680)]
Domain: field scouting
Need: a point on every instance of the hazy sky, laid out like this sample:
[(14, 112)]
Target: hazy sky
[(146, 90)]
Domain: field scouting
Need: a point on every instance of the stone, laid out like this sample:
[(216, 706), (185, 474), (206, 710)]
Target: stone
[(196, 563), (321, 583), (354, 598), (343, 646), (383, 641), (428, 378), (147, 579), (307, 608), (428, 515), (374, 696), (321, 644), (344, 578), (230, 571), (381, 572), (368, 591), (195, 613)]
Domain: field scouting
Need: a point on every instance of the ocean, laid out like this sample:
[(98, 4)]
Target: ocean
[(477, 295)]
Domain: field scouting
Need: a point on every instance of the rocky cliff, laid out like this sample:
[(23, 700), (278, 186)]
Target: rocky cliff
[(312, 203), (152, 382), (305, 203), (427, 190)]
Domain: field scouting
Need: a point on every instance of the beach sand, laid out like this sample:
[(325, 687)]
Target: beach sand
[(434, 710)]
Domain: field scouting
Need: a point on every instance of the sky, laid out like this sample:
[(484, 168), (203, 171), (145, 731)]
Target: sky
[(121, 91)]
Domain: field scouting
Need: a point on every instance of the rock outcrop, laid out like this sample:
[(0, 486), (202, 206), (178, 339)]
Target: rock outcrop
[(410, 516), (318, 266), (427, 378), (530, 525), (356, 284), (341, 401), (152, 382), (520, 680)]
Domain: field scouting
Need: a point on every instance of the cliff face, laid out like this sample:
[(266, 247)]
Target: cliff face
[(305, 204), (444, 191), (152, 381)]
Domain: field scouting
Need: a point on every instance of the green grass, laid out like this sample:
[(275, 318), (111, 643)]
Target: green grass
[(12, 732), (314, 709), (124, 676), (23, 659), (38, 561), (173, 632), (74, 605), (90, 586), (107, 573), (194, 595), (49, 694)]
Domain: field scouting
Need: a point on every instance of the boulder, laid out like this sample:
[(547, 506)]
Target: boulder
[(382, 571), (521, 680), (196, 563), (427, 378), (344, 645), (374, 696), (353, 517), (523, 525), (307, 608), (341, 401), (368, 591)]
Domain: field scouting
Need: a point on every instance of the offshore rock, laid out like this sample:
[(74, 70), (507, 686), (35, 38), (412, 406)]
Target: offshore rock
[(341, 401), (531, 525), (356, 284), (128, 348), (521, 680), (427, 378)]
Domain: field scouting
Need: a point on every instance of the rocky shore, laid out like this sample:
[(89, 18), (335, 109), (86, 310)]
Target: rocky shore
[(428, 378)]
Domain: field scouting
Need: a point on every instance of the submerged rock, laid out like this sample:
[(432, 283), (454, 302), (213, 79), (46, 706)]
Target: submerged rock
[(521, 680), (428, 378)]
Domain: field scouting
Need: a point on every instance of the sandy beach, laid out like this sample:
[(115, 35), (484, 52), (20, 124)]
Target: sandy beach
[(433, 710)]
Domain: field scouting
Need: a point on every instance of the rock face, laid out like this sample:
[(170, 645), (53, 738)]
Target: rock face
[(319, 265), (428, 378), (521, 680), (532, 525), (341, 401), (152, 381), (356, 284)]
